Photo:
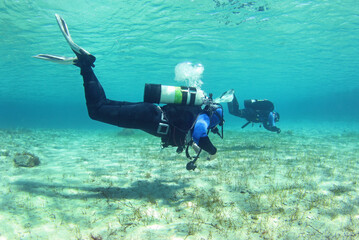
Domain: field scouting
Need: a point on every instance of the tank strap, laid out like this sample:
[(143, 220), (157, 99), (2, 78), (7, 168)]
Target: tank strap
[(163, 126), (193, 93), (188, 92)]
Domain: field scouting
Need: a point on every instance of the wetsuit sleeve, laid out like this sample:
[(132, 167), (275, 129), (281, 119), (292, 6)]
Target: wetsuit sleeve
[(233, 107), (207, 145), (200, 136)]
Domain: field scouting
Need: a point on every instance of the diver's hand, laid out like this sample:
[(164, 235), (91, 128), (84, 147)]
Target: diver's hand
[(211, 157), (215, 130), (278, 130), (195, 147)]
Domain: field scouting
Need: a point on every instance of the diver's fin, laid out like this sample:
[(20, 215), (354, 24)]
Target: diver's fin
[(225, 97), (246, 124), (65, 31), (83, 57), (57, 59)]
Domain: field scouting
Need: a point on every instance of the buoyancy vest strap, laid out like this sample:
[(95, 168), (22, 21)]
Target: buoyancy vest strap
[(163, 126)]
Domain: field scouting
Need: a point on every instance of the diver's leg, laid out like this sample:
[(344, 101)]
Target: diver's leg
[(94, 93), (233, 107), (144, 116)]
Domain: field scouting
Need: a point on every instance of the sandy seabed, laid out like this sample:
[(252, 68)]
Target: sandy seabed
[(300, 184)]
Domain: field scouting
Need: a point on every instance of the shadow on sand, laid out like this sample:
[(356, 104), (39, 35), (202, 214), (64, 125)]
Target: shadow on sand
[(157, 190)]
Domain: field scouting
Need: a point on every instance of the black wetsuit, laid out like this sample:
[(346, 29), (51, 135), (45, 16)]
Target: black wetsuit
[(255, 111), (144, 116), (148, 117)]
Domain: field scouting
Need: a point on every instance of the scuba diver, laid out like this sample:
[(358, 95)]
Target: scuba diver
[(256, 111), (181, 122)]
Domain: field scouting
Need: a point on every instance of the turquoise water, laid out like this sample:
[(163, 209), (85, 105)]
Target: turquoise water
[(96, 181), (302, 55)]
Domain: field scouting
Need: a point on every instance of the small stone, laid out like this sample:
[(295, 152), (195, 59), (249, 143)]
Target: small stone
[(4, 152), (26, 160)]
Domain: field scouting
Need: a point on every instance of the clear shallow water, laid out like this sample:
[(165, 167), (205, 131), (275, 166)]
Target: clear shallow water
[(300, 54), (301, 183)]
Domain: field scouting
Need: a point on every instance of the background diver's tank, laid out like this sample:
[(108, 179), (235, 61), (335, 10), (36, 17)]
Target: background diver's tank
[(157, 93)]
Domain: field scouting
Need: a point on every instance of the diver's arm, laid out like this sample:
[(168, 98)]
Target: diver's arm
[(207, 145), (271, 128), (270, 124), (233, 107), (200, 136)]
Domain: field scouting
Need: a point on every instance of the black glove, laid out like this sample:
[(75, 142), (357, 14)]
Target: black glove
[(215, 130)]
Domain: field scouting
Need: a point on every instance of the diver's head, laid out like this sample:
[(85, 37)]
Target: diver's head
[(215, 112), (276, 116)]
